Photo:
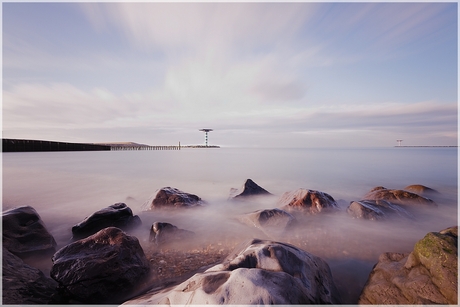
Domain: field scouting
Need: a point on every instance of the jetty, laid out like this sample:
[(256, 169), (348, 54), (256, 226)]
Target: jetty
[(20, 145)]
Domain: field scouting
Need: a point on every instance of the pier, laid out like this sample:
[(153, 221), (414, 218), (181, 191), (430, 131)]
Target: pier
[(145, 147)]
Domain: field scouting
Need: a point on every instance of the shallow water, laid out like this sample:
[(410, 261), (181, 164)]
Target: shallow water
[(65, 187)]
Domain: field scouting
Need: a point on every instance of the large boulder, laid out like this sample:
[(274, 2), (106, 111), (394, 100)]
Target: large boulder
[(102, 268), (165, 233), (172, 198), (307, 201), (260, 272), (249, 188), (376, 210), (23, 284), (399, 197), (427, 275), (118, 215), (25, 234), (270, 221)]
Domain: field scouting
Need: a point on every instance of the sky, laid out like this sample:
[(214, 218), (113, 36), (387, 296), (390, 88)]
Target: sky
[(260, 74)]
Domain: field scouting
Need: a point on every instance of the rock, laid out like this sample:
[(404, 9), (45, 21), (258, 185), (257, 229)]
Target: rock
[(428, 275), (270, 221), (25, 234), (421, 190), (375, 210), (262, 273), (307, 201), (172, 198), (399, 197), (23, 284), (249, 188), (163, 233), (102, 268), (118, 215)]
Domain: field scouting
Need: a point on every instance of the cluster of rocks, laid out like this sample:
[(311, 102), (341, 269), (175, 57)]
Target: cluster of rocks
[(104, 265)]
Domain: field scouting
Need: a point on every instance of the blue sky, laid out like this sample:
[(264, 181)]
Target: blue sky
[(259, 74)]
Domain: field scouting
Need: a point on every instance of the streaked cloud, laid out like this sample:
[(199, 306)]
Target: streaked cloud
[(298, 68)]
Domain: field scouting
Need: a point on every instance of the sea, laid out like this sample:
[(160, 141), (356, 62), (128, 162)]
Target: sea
[(66, 187)]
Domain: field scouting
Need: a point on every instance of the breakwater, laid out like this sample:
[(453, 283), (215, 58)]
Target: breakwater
[(17, 145)]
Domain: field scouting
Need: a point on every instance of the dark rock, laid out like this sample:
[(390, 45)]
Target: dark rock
[(172, 198), (376, 210), (25, 234), (428, 275), (102, 268), (270, 221), (399, 197), (23, 284), (249, 188), (260, 272), (307, 201), (163, 233), (421, 190), (118, 215)]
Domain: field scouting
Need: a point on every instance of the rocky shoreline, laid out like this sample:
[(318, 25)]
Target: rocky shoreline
[(105, 263)]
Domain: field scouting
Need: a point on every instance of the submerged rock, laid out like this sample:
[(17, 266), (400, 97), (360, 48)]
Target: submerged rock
[(102, 268), (23, 284), (375, 210), (164, 233), (249, 188), (270, 221), (118, 215), (260, 272), (172, 198), (25, 234), (421, 190), (428, 275), (399, 197), (307, 201)]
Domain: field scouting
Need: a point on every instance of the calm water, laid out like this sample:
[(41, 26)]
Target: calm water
[(65, 187)]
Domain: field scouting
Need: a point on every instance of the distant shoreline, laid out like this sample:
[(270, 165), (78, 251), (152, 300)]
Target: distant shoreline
[(426, 146)]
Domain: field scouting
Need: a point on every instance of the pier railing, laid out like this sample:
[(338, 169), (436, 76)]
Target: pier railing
[(145, 148)]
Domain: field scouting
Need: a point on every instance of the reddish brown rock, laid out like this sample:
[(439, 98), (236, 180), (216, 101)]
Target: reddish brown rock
[(307, 201), (172, 198), (399, 197), (102, 268)]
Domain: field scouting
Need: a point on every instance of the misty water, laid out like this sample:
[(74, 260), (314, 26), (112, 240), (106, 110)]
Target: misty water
[(65, 187)]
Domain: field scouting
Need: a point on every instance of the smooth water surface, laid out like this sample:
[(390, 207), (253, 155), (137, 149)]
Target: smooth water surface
[(65, 187)]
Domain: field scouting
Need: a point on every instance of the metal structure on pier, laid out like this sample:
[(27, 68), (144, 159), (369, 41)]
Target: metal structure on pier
[(206, 135), (399, 142)]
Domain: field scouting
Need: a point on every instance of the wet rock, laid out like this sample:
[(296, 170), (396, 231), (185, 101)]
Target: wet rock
[(399, 197), (307, 201), (421, 190), (102, 268), (118, 215), (164, 233), (249, 188), (376, 210), (23, 284), (25, 234), (172, 198), (270, 221), (260, 272), (428, 275)]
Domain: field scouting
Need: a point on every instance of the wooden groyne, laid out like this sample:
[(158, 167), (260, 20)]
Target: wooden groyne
[(17, 145)]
